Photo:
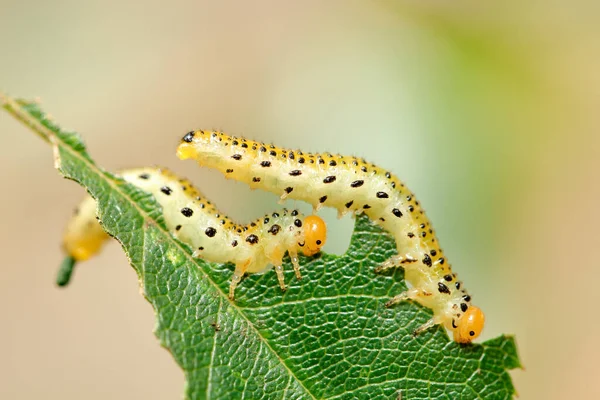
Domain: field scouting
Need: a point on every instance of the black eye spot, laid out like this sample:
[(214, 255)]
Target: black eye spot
[(433, 253), (166, 190), (301, 160), (266, 163), (356, 184), (366, 206), (234, 142), (263, 148), (471, 333), (321, 161), (382, 195), (144, 176), (411, 235), (289, 189), (237, 157), (188, 137), (274, 230), (466, 297), (349, 204), (210, 232), (322, 199), (332, 163), (178, 227), (388, 175), (252, 239), (295, 172), (397, 212), (187, 212), (294, 213), (245, 146), (329, 179), (275, 215), (255, 179), (266, 220), (464, 307), (234, 243), (298, 223), (229, 170), (363, 169), (411, 208), (273, 153)]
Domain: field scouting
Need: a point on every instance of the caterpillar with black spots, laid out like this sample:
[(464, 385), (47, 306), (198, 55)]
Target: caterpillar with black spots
[(253, 248), (351, 185)]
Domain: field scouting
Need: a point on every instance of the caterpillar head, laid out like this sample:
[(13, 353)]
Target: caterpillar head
[(470, 325), (315, 235)]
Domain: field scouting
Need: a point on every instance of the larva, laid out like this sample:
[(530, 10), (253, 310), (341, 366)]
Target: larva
[(214, 237), (351, 184)]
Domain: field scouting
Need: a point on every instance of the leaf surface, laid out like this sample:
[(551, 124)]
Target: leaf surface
[(328, 337)]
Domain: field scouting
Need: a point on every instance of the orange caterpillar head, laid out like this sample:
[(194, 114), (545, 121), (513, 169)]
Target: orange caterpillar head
[(470, 325), (315, 235)]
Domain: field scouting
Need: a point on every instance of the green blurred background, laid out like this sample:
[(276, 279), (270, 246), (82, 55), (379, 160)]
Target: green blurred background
[(488, 110)]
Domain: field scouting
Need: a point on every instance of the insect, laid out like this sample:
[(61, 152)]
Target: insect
[(214, 237), (351, 185)]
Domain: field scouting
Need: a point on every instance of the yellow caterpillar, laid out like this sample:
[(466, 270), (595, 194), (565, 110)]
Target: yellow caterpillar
[(351, 184), (213, 236)]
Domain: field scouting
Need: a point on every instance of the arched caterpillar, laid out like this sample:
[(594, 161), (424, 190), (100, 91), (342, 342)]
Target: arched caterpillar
[(351, 184), (214, 237)]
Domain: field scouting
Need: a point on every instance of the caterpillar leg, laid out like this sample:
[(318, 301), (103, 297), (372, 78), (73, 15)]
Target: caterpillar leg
[(295, 263), (410, 294), (280, 278), (432, 322), (394, 262), (413, 294), (240, 270)]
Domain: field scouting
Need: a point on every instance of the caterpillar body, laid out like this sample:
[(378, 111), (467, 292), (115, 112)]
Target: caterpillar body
[(194, 220), (351, 185)]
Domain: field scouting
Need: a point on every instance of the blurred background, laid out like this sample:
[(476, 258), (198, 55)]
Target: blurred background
[(488, 110)]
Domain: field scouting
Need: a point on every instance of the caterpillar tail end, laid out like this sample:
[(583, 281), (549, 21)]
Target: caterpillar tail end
[(65, 271)]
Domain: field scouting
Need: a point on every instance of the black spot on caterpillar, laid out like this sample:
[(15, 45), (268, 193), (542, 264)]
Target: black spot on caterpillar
[(193, 220), (351, 184)]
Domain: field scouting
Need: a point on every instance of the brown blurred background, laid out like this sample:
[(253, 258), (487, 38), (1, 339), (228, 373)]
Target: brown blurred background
[(487, 111)]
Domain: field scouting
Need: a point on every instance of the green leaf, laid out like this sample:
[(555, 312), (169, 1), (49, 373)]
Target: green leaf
[(329, 336)]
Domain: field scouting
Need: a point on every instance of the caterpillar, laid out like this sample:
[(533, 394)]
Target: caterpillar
[(351, 185), (253, 248)]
